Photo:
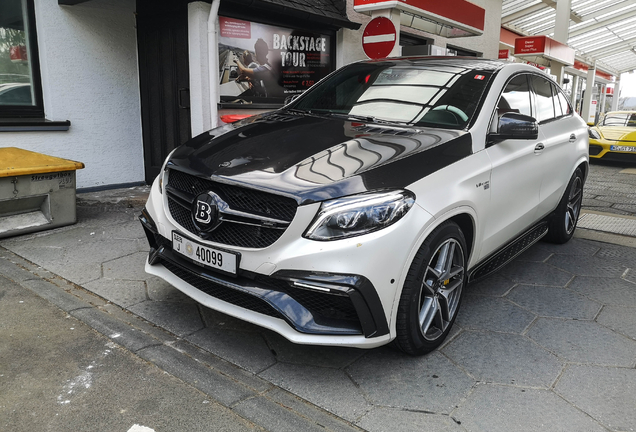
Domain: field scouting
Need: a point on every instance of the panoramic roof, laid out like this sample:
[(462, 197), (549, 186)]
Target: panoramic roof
[(601, 30)]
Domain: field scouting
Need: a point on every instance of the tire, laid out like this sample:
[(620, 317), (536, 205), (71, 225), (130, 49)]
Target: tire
[(432, 291), (562, 222)]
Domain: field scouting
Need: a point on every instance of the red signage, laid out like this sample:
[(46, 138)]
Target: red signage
[(545, 47), (504, 54), (459, 12), (530, 45), (379, 37)]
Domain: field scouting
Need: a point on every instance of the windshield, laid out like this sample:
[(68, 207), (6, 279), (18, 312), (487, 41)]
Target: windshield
[(620, 119), (422, 95)]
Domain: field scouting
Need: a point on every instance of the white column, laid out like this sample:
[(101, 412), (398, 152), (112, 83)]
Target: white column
[(561, 30), (198, 13), (602, 103), (562, 21), (617, 93), (589, 89), (575, 88)]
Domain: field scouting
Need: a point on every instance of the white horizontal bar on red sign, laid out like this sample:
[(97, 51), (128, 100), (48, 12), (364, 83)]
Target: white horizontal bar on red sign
[(460, 14), (379, 38)]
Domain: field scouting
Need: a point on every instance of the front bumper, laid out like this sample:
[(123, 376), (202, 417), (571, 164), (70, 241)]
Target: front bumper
[(321, 293), (601, 149)]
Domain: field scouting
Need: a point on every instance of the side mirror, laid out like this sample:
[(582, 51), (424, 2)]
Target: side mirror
[(515, 126)]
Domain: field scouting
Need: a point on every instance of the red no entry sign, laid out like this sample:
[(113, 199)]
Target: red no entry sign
[(378, 38)]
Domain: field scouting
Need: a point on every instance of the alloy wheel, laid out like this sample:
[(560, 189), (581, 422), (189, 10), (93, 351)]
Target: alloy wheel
[(574, 205), (441, 289)]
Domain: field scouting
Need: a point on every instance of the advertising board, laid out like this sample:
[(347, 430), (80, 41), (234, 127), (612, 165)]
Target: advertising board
[(259, 63)]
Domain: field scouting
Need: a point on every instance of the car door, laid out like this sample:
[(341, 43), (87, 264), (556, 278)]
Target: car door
[(516, 174), (558, 130)]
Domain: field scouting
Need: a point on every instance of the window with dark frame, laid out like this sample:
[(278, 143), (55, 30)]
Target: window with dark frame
[(20, 84)]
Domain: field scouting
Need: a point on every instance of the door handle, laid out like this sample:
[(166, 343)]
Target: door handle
[(539, 148), (184, 98), (572, 138)]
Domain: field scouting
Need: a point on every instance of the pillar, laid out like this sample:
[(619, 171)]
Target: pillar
[(561, 31), (589, 90), (617, 93)]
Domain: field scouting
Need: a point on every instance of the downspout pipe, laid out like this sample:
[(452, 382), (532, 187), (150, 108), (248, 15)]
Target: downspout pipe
[(213, 62)]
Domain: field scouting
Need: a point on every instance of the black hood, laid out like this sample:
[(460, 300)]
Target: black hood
[(312, 158)]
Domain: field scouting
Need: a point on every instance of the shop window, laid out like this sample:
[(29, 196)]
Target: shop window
[(20, 87)]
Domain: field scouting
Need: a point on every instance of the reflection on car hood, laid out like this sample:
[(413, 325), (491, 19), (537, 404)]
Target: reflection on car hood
[(314, 158), (617, 133)]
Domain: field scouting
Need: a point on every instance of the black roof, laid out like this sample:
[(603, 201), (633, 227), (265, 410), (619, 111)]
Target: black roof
[(332, 13)]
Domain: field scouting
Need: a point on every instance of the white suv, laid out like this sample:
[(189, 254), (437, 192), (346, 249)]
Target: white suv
[(357, 214)]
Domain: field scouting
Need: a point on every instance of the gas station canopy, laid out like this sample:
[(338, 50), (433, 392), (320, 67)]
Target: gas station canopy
[(448, 18), (601, 31)]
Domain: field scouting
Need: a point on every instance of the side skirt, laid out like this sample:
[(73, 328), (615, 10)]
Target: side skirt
[(509, 252)]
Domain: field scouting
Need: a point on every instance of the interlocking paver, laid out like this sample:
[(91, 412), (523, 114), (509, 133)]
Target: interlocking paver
[(494, 285), (410, 381), (122, 293), (247, 350), (554, 302), (588, 266), (130, 267), (583, 342), (607, 394), (620, 319), (495, 314), (495, 408), (533, 273), (328, 388), (397, 420), (504, 358), (179, 318), (608, 291)]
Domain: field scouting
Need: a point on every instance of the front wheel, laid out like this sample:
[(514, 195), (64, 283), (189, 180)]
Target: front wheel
[(563, 221), (432, 291)]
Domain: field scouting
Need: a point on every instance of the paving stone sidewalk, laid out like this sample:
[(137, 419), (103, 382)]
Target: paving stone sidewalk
[(547, 343)]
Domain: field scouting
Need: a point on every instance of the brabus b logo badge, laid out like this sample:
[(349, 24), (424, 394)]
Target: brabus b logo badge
[(203, 212)]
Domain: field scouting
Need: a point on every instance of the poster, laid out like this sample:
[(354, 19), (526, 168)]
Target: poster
[(260, 63)]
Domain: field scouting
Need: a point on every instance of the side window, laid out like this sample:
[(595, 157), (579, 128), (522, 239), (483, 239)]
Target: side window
[(515, 97), (563, 101), (20, 88), (558, 109), (545, 102)]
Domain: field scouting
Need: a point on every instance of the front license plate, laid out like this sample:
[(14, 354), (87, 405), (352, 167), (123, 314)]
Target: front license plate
[(204, 255), (623, 148)]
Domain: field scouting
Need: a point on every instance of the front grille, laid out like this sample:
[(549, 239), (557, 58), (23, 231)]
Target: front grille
[(595, 149), (250, 201)]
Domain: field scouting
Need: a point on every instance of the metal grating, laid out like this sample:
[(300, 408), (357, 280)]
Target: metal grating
[(610, 224)]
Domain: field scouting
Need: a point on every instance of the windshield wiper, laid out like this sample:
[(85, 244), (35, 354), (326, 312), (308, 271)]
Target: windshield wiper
[(365, 119)]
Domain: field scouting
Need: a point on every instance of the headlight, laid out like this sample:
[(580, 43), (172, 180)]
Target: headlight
[(593, 133), (359, 214)]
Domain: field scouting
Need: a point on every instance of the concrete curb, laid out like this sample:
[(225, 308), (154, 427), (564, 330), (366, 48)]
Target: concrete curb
[(247, 395)]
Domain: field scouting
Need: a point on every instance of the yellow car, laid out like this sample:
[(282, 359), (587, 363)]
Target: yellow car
[(614, 137)]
